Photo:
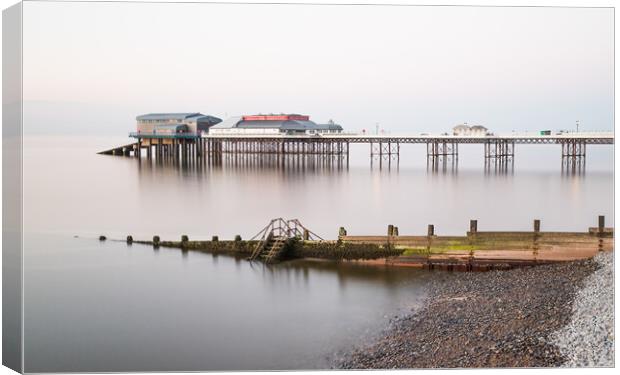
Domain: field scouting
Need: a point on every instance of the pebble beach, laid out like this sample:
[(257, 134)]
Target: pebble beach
[(557, 315)]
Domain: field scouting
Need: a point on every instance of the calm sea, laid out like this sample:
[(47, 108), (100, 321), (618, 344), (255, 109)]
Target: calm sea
[(92, 306)]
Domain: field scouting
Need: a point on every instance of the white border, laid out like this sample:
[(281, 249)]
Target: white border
[(537, 3)]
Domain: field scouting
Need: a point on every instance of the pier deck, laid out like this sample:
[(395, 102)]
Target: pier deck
[(499, 150)]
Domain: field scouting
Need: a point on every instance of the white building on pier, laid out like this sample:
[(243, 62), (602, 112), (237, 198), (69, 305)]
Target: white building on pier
[(282, 124)]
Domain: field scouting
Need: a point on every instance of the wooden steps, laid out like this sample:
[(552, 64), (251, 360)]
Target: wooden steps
[(271, 250)]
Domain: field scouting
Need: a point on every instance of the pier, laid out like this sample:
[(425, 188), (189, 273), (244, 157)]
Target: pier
[(498, 151)]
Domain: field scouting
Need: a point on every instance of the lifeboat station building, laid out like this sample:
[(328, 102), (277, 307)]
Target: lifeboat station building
[(174, 123), (171, 134), (282, 124)]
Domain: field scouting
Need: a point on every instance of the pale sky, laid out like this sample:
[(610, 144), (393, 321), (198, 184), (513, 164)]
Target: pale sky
[(90, 68)]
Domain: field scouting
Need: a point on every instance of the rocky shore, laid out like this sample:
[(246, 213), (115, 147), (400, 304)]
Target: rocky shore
[(493, 319), (588, 339)]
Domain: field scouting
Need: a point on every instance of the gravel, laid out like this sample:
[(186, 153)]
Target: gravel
[(588, 339), (491, 319)]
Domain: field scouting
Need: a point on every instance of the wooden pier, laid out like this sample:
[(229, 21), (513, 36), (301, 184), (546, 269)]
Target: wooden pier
[(498, 151)]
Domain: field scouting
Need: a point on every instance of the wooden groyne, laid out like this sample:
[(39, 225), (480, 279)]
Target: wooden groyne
[(475, 251), (487, 250)]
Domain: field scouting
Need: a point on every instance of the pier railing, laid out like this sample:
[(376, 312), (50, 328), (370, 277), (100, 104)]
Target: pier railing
[(164, 135)]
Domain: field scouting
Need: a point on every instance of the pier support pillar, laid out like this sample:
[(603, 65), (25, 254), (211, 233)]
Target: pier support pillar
[(441, 148), (441, 154), (499, 155), (573, 156), (385, 150)]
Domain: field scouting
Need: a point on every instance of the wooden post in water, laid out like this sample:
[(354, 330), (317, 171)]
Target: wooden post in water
[(473, 226), (430, 233), (601, 230), (536, 226), (390, 230), (471, 236)]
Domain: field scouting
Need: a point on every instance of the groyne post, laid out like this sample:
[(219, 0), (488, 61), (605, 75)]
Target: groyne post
[(473, 226), (536, 236), (430, 233), (601, 231), (473, 229)]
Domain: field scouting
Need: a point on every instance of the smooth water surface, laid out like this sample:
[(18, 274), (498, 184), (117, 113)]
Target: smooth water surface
[(94, 306)]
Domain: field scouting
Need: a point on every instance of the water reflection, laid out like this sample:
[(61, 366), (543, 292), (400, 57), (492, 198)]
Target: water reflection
[(293, 163), (224, 312), (385, 161), (499, 165), (442, 164), (345, 271), (296, 164), (573, 166), (237, 196)]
